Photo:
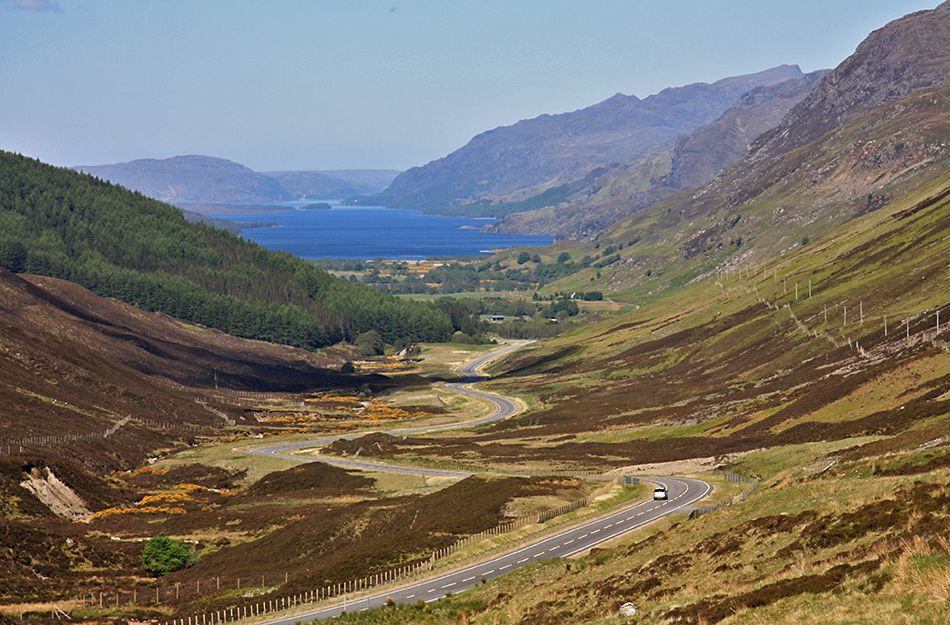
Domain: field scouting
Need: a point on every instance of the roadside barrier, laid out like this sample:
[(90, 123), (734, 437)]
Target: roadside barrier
[(735, 479)]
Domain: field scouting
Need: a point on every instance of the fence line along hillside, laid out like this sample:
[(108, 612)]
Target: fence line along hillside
[(844, 322), (16, 445)]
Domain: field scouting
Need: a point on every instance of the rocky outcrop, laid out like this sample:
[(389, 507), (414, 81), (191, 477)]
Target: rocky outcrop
[(55, 494), (908, 54)]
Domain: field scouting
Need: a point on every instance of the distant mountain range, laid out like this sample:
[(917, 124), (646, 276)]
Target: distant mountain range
[(574, 175), (513, 163), (677, 164), (201, 180)]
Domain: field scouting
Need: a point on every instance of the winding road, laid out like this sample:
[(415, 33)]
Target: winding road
[(682, 493), (503, 406)]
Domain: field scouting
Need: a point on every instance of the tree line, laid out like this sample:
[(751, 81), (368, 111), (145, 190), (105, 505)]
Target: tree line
[(118, 243)]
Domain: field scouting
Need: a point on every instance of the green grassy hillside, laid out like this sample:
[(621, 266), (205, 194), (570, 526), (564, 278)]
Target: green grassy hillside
[(759, 211), (821, 370)]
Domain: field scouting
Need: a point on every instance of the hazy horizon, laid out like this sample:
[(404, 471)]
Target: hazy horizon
[(333, 84)]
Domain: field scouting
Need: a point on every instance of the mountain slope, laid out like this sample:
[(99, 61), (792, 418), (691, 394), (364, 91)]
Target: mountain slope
[(764, 206), (54, 384), (755, 214), (553, 149), (333, 185), (689, 160), (192, 180), (910, 53), (906, 55), (75, 363)]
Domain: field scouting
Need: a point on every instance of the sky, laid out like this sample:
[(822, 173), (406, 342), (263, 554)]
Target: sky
[(367, 84)]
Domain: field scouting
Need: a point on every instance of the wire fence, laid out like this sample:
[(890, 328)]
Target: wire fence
[(846, 321), (259, 596), (495, 542), (732, 478), (16, 445)]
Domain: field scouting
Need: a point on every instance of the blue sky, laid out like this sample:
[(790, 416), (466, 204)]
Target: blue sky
[(343, 84)]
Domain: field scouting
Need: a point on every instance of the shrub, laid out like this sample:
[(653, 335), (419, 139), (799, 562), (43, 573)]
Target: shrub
[(162, 555)]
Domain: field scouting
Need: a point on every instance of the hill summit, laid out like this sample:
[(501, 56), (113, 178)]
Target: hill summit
[(192, 179), (201, 180)]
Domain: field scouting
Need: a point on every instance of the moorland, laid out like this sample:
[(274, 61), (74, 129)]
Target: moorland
[(786, 321)]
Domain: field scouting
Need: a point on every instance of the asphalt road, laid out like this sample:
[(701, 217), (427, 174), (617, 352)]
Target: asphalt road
[(503, 408), (683, 492)]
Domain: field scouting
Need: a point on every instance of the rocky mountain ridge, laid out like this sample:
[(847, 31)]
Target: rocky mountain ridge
[(548, 150), (771, 202), (682, 163), (907, 54)]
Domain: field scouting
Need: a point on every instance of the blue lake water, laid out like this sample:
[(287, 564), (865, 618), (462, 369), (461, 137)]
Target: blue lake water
[(376, 232)]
